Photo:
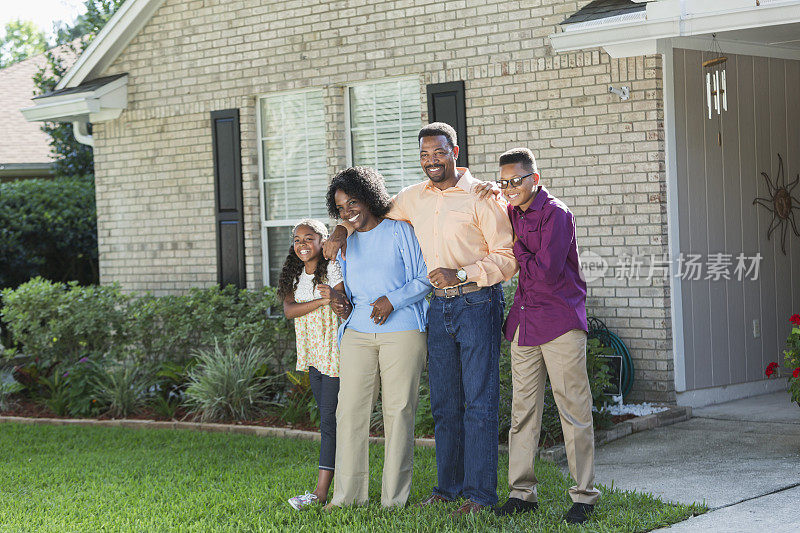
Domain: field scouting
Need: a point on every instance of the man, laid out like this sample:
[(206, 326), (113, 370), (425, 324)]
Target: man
[(547, 330), (466, 243)]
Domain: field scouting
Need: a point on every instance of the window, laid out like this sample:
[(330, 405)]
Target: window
[(293, 170), (383, 122)]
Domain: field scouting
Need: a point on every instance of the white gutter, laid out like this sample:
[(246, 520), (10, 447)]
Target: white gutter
[(673, 18), (80, 108)]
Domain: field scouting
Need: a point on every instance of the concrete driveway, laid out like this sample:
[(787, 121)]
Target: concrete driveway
[(741, 458)]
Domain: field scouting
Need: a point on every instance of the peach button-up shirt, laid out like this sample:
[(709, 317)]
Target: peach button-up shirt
[(456, 229)]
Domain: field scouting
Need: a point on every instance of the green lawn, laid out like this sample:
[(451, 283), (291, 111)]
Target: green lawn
[(57, 478)]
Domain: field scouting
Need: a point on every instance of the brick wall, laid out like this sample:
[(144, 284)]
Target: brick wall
[(602, 156)]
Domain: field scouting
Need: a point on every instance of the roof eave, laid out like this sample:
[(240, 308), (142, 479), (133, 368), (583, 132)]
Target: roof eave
[(121, 28), (640, 35), (103, 103)]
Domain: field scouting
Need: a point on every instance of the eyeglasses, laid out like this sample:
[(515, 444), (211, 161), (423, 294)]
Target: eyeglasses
[(514, 182)]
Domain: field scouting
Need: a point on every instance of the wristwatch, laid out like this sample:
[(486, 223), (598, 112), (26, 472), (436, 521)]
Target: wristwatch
[(461, 275)]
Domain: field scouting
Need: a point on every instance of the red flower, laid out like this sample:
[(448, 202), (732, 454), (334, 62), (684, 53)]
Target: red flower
[(796, 372), (771, 368), (795, 319)]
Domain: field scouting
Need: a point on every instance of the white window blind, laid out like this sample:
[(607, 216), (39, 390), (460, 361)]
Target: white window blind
[(294, 179), (384, 122)]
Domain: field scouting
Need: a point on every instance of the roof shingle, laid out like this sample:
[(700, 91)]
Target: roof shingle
[(600, 9)]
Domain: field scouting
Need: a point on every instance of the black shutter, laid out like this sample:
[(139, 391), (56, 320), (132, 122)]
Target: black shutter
[(228, 197), (446, 104)]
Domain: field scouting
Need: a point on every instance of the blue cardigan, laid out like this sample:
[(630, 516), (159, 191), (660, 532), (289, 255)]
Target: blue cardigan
[(417, 285)]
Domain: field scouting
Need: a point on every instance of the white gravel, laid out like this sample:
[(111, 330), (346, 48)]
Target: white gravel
[(638, 409)]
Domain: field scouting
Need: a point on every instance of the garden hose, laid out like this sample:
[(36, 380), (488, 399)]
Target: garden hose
[(598, 329)]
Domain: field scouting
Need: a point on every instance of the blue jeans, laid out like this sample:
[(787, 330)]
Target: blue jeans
[(464, 334)]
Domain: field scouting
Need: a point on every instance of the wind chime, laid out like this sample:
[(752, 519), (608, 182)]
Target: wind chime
[(716, 83)]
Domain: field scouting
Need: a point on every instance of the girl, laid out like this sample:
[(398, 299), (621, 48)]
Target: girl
[(305, 288), (383, 340)]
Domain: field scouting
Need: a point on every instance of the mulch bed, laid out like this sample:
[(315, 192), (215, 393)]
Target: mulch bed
[(616, 419)]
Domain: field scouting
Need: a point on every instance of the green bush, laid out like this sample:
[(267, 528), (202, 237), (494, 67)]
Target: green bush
[(228, 384), (169, 387), (8, 389), (122, 387), (57, 322), (169, 328), (48, 228), (57, 325)]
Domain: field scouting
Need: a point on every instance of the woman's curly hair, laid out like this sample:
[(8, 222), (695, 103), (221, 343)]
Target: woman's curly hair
[(293, 266), (363, 183)]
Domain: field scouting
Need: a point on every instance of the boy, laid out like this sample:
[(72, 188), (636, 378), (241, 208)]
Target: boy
[(547, 329)]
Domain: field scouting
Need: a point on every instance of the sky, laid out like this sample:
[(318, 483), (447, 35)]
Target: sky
[(42, 12)]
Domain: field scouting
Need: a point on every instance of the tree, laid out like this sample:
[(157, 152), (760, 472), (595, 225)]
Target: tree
[(71, 157), (22, 40), (90, 23)]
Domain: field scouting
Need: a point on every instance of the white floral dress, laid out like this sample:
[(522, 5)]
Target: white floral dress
[(316, 331)]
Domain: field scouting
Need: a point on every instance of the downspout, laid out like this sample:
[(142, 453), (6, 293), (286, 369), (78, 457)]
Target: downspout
[(80, 129)]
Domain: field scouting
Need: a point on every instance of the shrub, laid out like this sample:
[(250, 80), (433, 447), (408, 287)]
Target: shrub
[(48, 228), (169, 328), (55, 393), (54, 322), (82, 393), (791, 360), (57, 322), (122, 388), (7, 389), (170, 385), (67, 390), (228, 384), (297, 404)]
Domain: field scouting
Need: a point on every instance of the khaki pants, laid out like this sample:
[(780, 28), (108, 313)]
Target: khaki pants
[(394, 362), (564, 360)]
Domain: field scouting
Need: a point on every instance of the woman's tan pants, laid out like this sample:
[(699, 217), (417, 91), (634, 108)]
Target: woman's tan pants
[(392, 361)]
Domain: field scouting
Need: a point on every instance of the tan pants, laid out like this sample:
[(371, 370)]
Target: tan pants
[(394, 362), (564, 360)]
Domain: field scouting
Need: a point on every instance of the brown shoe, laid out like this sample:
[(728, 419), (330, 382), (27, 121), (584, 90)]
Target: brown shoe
[(468, 507), (431, 500)]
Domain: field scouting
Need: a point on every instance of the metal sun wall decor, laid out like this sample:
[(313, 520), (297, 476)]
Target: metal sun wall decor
[(780, 203)]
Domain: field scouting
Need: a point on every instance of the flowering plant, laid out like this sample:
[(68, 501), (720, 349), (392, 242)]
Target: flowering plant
[(791, 359)]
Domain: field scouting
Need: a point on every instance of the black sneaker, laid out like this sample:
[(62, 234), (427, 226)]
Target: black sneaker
[(515, 505), (578, 513)]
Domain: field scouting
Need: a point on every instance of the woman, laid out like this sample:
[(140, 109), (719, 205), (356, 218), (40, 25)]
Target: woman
[(382, 341)]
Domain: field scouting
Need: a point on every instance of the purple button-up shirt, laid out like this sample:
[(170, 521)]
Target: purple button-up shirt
[(551, 295)]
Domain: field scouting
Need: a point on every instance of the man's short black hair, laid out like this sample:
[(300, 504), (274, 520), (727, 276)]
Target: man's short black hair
[(434, 129), (519, 155), (363, 183)]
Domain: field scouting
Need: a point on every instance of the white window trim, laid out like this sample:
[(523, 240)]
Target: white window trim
[(365, 83), (277, 223)]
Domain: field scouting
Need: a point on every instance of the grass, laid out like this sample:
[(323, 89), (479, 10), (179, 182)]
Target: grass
[(58, 478)]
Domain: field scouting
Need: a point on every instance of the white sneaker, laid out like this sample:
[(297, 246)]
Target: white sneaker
[(304, 500)]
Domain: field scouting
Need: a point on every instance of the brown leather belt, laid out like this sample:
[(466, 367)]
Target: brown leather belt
[(458, 290)]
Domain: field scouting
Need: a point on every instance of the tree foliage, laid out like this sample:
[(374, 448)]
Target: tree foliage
[(22, 40), (48, 228), (71, 157)]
